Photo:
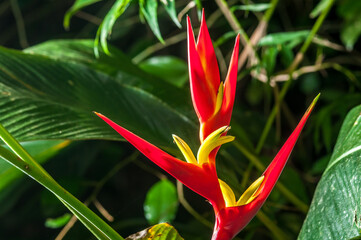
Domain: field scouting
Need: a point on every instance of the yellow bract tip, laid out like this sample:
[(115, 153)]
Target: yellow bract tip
[(185, 149), (219, 100), (249, 194), (228, 195), (211, 142)]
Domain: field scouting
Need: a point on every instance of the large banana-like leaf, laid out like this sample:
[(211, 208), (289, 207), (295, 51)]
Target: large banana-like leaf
[(335, 211), (117, 65), (45, 98)]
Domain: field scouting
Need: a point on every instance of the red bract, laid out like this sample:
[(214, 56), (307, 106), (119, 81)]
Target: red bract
[(213, 102)]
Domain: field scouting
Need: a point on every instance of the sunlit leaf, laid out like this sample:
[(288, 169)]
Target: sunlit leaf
[(319, 8), (162, 231), (252, 7), (336, 206), (282, 38), (161, 203), (57, 222), (169, 6), (149, 10), (105, 29)]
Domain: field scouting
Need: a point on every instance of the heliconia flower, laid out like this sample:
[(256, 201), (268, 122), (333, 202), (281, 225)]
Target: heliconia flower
[(213, 103)]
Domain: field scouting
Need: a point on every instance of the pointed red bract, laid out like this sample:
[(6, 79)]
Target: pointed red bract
[(231, 220), (203, 96), (208, 58), (201, 179), (223, 116), (230, 86)]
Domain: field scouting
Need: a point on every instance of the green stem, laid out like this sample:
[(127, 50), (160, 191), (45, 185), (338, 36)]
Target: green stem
[(277, 232), (268, 14), (232, 19), (24, 162)]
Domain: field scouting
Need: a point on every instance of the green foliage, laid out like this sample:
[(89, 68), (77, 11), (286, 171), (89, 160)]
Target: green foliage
[(252, 7), (42, 152), (85, 90), (161, 202), (350, 11), (283, 38), (168, 68), (58, 222), (77, 6), (335, 208), (106, 26)]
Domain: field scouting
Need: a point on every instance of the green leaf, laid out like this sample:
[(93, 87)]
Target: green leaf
[(269, 59), (336, 206), (105, 29), (322, 5), (161, 203), (349, 10), (162, 231), (41, 150), (57, 222), (77, 6), (252, 7), (118, 65), (171, 69), (56, 99), (148, 9), (222, 39), (282, 38), (169, 6)]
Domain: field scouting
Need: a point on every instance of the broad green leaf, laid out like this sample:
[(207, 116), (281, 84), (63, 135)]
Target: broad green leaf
[(162, 231), (169, 6), (319, 8), (168, 68), (78, 5), (148, 9), (42, 98), (118, 65), (282, 38), (161, 203), (57, 222), (105, 29), (252, 7), (336, 206), (41, 150)]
